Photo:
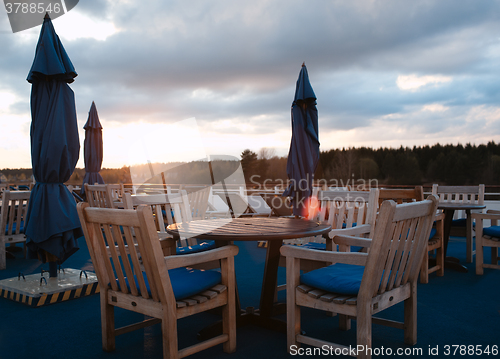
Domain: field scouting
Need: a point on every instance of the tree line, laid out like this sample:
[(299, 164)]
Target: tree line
[(447, 165), (444, 164)]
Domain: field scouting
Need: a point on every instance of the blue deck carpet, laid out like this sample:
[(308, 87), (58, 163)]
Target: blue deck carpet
[(457, 309)]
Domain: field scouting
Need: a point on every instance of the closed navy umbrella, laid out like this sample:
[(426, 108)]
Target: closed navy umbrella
[(52, 225), (303, 156), (92, 149)]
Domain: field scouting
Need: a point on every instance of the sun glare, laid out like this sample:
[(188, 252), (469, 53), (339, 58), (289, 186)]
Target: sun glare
[(74, 25)]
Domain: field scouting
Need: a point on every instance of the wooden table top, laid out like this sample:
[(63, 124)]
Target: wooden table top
[(458, 206), (249, 229)]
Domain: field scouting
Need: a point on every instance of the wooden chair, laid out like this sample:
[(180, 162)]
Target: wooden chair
[(98, 195), (169, 209), (373, 281), (350, 213), (487, 237), (12, 219), (436, 242), (462, 194), (162, 288)]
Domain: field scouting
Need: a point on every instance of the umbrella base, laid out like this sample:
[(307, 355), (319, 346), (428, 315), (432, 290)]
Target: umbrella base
[(36, 290)]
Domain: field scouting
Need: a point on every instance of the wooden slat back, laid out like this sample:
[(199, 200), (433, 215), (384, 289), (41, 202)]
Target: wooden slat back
[(122, 244), (98, 196), (401, 195), (398, 245), (459, 194), (115, 191), (342, 209), (14, 208), (167, 209), (198, 202)]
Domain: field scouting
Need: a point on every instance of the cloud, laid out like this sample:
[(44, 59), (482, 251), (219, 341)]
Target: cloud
[(414, 82), (233, 66)]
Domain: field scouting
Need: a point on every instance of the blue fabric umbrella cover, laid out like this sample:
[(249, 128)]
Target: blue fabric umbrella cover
[(92, 149), (303, 156), (52, 226)]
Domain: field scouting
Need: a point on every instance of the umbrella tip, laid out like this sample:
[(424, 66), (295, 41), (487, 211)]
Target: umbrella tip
[(304, 64), (46, 16)]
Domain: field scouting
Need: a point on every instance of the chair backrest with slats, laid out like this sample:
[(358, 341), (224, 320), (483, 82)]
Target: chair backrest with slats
[(124, 246), (401, 195), (198, 202), (398, 244), (459, 194), (167, 209), (345, 209), (99, 196), (13, 213)]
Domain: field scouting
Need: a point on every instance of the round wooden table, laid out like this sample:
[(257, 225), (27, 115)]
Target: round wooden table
[(270, 229), (449, 209)]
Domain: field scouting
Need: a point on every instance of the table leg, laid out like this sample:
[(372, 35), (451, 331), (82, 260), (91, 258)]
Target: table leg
[(450, 262), (261, 317)]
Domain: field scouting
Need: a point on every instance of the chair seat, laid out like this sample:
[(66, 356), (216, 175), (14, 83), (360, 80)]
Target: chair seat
[(492, 231), (186, 282), (200, 247), (336, 278)]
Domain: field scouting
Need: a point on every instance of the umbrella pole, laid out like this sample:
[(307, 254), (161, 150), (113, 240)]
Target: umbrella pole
[(52, 269)]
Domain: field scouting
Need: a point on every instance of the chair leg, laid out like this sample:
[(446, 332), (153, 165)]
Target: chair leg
[(494, 255), (344, 322), (479, 256), (440, 259), (229, 310), (363, 331), (468, 240), (107, 322), (169, 336), (3, 255), (292, 309), (410, 317), (424, 269)]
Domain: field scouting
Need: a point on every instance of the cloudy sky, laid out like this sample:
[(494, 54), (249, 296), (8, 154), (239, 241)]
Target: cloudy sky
[(176, 80)]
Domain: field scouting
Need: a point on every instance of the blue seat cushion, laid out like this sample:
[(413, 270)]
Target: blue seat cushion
[(433, 233), (462, 222), (493, 231), (337, 278), (14, 228), (322, 246), (185, 281), (200, 247)]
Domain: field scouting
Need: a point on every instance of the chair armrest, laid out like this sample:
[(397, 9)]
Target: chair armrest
[(353, 231), (201, 257), (356, 258), (353, 241), (439, 216), (491, 214)]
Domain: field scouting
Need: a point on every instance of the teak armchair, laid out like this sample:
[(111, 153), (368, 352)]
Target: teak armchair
[(134, 275), (487, 237), (462, 194), (372, 281), (12, 219)]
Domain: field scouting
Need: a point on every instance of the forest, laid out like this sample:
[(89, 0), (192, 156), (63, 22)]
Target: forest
[(443, 164)]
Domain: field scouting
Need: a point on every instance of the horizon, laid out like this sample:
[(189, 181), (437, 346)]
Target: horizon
[(275, 156), (202, 79)]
